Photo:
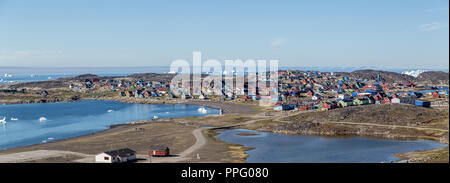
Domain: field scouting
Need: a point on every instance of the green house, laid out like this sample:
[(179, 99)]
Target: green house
[(345, 103), (361, 101)]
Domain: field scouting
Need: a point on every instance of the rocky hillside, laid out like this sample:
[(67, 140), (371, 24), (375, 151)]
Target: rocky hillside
[(434, 77), (58, 83), (38, 85), (385, 76), (387, 114), (152, 76), (64, 82), (429, 77)]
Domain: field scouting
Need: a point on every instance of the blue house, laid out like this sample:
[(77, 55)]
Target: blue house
[(421, 103)]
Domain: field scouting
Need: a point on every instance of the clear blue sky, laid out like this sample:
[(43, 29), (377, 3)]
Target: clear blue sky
[(384, 33)]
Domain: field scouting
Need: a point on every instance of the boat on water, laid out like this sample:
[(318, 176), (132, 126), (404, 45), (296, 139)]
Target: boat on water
[(14, 119)]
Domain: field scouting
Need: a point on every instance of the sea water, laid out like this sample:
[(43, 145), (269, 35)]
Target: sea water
[(42, 123)]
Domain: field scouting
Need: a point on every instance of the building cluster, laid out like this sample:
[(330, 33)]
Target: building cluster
[(325, 91), (312, 90), (138, 88), (300, 90)]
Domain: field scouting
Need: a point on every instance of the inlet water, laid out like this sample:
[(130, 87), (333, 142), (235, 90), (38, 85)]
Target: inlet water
[(28, 124), (278, 148)]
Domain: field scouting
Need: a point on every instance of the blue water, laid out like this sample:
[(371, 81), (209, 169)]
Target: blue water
[(277, 148), (65, 120)]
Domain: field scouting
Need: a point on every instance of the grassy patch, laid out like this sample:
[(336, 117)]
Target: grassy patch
[(440, 155), (234, 153)]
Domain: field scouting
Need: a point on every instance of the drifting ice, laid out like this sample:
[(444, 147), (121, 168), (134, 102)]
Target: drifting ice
[(202, 110)]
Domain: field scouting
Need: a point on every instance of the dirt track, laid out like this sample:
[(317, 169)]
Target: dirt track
[(35, 155), (183, 156), (201, 141)]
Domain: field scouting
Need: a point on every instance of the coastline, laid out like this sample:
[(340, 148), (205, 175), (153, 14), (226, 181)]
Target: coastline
[(403, 157), (228, 108), (114, 126)]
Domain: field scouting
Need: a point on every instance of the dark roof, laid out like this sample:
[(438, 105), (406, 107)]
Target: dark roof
[(158, 148), (121, 152)]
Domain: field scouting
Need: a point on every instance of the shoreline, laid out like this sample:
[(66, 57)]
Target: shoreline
[(219, 105), (401, 157), (133, 124), (110, 127)]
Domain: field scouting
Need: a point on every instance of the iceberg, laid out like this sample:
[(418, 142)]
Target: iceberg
[(202, 110), (414, 73)]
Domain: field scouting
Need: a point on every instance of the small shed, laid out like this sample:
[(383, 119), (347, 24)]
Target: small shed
[(116, 156), (159, 151), (44, 93), (278, 108)]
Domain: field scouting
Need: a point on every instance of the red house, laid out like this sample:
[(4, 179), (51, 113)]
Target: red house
[(436, 95), (158, 151), (378, 97), (386, 101), (327, 106), (245, 98), (303, 108)]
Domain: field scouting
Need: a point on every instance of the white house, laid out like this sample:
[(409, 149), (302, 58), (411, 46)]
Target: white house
[(343, 96), (116, 156), (395, 101)]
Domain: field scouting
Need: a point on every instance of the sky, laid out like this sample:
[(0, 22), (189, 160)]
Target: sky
[(347, 33)]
